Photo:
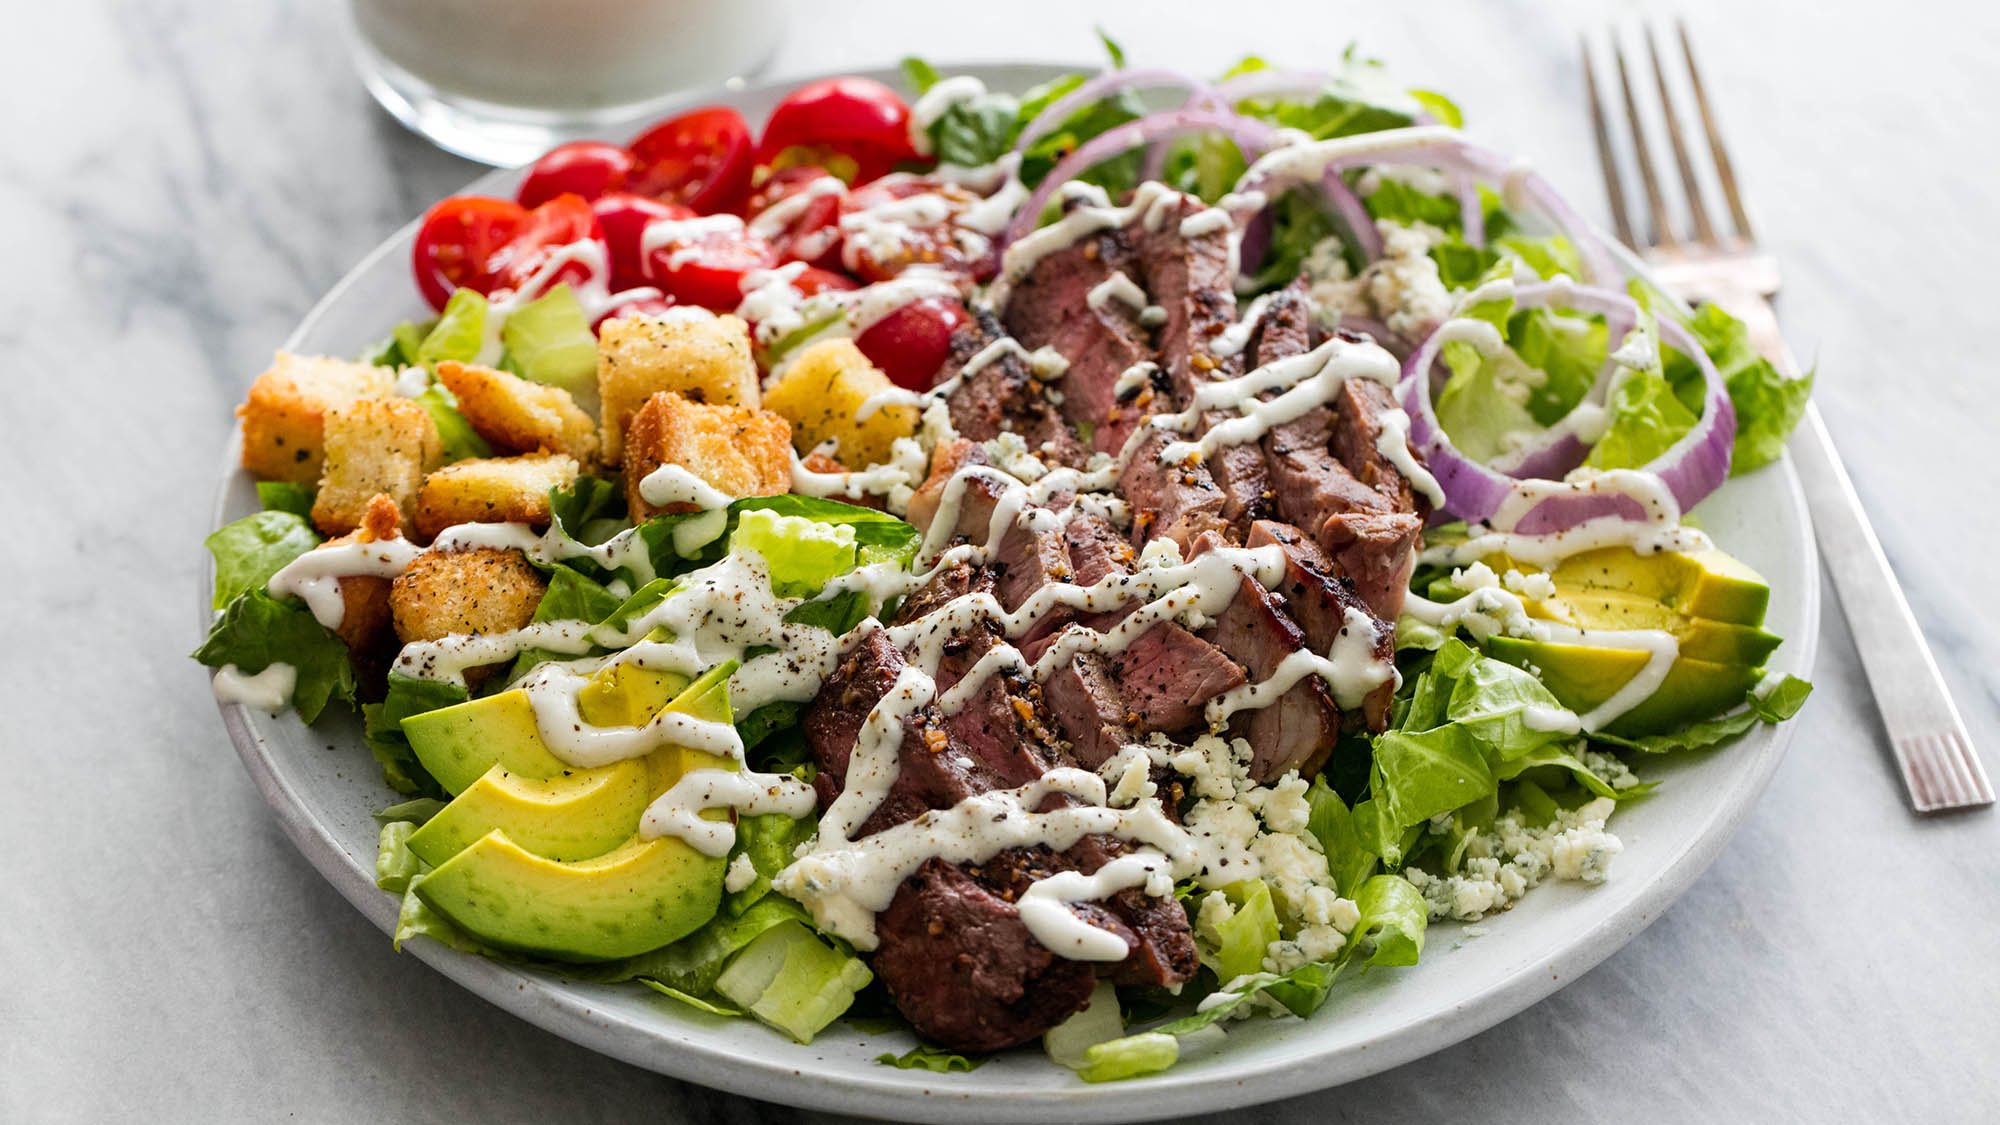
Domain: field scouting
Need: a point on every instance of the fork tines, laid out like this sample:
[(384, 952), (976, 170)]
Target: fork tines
[(1662, 235), (1942, 772)]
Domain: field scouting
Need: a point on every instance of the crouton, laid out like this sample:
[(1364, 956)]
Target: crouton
[(483, 591), (383, 445), (492, 490), (284, 416), (364, 617), (517, 416), (820, 392), (706, 359), (736, 450)]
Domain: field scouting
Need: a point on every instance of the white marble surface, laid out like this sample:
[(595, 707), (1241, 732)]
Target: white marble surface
[(180, 180)]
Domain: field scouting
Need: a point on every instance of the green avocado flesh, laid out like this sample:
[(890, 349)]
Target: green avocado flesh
[(1707, 584), (539, 857), (1584, 676)]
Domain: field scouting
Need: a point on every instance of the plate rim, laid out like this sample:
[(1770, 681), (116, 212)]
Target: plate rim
[(561, 1009)]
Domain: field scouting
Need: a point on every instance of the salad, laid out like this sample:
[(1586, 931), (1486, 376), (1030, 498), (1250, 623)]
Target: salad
[(1081, 565)]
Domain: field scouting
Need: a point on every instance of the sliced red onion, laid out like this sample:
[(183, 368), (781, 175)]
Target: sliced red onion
[(1693, 467), (1471, 213), (1249, 133), (1264, 83), (1353, 215), (1102, 86)]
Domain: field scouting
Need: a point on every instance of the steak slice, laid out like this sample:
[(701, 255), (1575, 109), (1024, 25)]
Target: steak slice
[(1297, 730), (1318, 602), (962, 967), (1356, 432), (1051, 307), (1377, 552), (1090, 709), (1178, 502), (1194, 280), (1167, 674), (1003, 395)]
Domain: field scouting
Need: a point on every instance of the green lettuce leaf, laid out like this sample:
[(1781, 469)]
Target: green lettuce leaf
[(1768, 404), (460, 331), (1393, 917), (256, 631), (693, 963), (937, 1060), (1298, 223), (1243, 940), (792, 980), (382, 728), (978, 131), (284, 496), (549, 341), (1646, 417), (459, 440), (1776, 705), (695, 1002), (249, 551), (769, 840), (1494, 702), (1332, 824), (920, 75), (396, 866)]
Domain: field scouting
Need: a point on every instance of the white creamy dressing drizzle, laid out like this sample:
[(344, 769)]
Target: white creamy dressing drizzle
[(1134, 377), (678, 812), (883, 231), (269, 691), (314, 577), (593, 292), (1125, 291), (1308, 380), (1095, 214), (938, 101), (1392, 441), (778, 218)]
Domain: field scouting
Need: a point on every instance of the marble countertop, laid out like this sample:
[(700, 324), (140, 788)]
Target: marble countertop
[(181, 180)]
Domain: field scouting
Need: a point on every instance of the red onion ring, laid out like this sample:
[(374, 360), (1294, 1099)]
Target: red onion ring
[(1691, 468), (1097, 89), (1247, 132)]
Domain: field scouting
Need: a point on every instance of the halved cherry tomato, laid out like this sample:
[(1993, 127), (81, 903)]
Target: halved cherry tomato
[(911, 344), (623, 217), (707, 267), (812, 235), (700, 159), (859, 121), (644, 306), (457, 242), (585, 168), (561, 221), (813, 280), (921, 233)]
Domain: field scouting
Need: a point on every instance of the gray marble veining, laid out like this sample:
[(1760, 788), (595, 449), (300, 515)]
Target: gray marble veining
[(181, 180)]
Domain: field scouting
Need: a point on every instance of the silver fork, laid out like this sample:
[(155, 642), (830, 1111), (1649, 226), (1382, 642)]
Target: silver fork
[(1940, 769)]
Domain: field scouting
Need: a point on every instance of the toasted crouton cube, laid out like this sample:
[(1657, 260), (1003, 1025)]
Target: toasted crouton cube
[(518, 416), (736, 450), (492, 490), (284, 416), (820, 392), (706, 359), (383, 445), (364, 618), (482, 591)]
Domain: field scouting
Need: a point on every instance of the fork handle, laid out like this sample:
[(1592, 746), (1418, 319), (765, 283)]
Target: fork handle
[(1916, 705)]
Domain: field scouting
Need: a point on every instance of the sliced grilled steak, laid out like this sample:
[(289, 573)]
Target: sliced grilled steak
[(1003, 395), (1318, 601), (1194, 280), (960, 964), (1298, 729), (1167, 674), (1178, 502), (1051, 307), (1357, 430), (1377, 552), (1086, 703)]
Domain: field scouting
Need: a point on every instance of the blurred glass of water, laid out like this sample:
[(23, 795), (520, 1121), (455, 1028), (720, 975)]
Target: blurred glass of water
[(501, 81)]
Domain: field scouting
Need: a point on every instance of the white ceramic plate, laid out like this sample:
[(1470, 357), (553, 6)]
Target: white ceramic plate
[(1375, 1021)]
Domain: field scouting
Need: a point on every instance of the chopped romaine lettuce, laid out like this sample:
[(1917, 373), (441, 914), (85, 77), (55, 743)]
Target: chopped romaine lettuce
[(382, 728), (459, 440), (803, 554), (460, 331), (249, 551), (256, 630), (791, 979), (937, 1060), (284, 496), (549, 341)]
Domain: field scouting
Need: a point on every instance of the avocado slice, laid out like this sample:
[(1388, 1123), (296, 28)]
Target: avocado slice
[(458, 744), (572, 816), (639, 896), (1708, 583), (635, 898), (1582, 676), (1700, 638)]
